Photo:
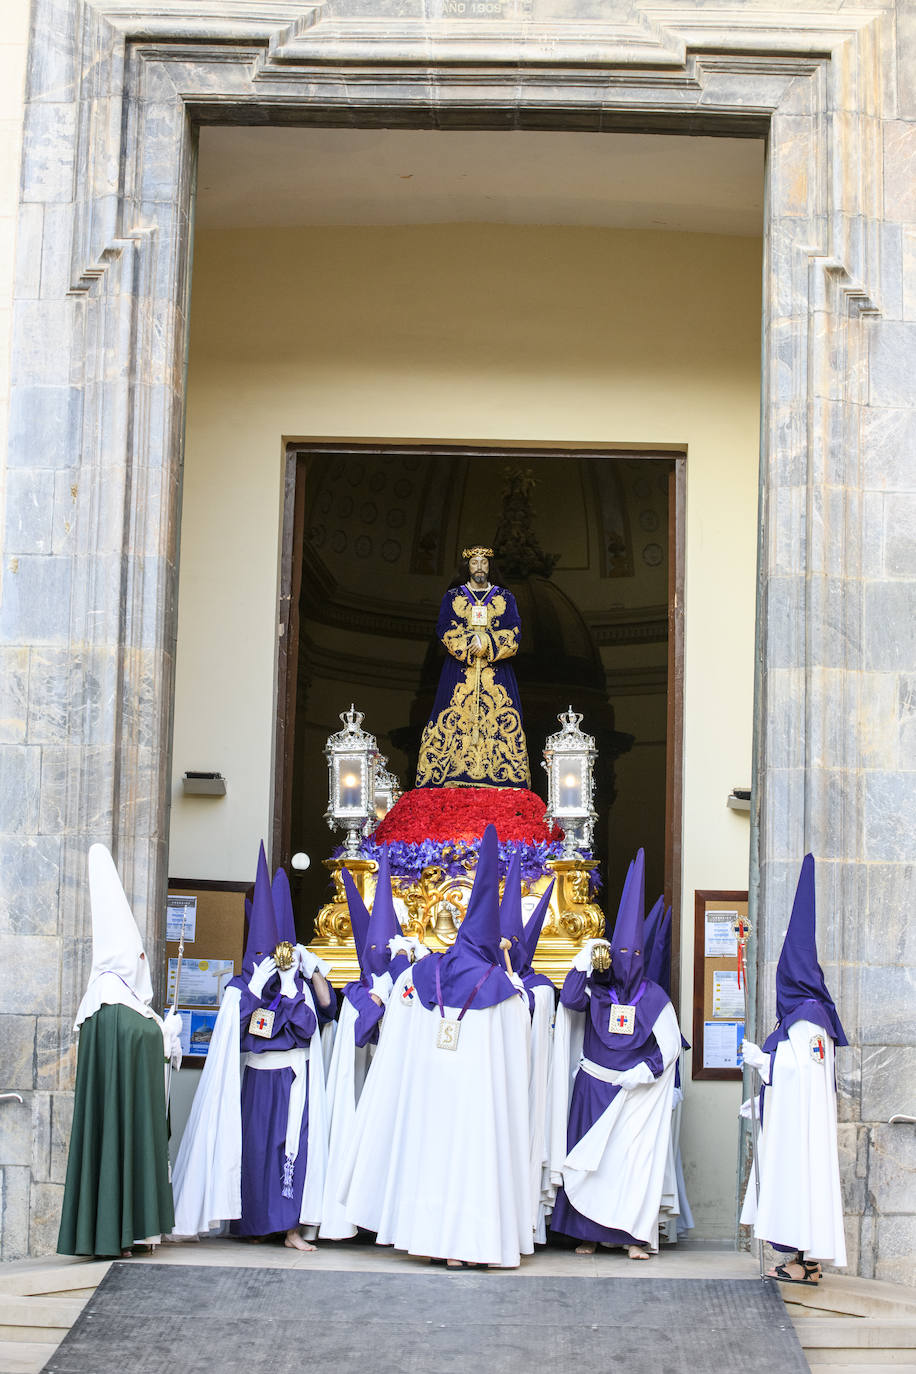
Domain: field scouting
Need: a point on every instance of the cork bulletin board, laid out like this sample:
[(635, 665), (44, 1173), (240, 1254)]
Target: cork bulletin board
[(213, 947), (718, 1002)]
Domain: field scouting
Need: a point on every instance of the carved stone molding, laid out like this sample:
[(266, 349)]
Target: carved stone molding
[(99, 340)]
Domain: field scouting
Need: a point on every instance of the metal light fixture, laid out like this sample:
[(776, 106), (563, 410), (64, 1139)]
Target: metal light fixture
[(569, 758), (351, 756), (387, 791)]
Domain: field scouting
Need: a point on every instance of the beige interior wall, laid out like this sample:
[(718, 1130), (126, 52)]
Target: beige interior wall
[(456, 333)]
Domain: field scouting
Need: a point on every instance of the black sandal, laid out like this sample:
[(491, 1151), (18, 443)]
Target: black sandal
[(812, 1272)]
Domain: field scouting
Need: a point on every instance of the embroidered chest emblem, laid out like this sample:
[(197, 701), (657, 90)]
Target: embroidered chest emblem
[(447, 1037), (407, 993), (262, 1023), (623, 1019), (818, 1049), (479, 616)]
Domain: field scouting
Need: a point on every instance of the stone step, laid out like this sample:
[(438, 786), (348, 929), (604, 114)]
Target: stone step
[(884, 1334), (44, 1311), (25, 1357), (851, 1361), (852, 1297), (79, 1278)]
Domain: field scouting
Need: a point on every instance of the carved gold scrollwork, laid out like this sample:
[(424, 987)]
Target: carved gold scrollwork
[(437, 904)]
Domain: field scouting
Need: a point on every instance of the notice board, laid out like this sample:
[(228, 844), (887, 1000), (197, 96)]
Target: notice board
[(213, 915), (718, 1001)]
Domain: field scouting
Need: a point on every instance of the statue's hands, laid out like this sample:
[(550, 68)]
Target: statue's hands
[(261, 975)]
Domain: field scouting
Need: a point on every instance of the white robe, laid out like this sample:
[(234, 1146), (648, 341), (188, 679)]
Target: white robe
[(615, 1174), (207, 1177), (800, 1199), (346, 1076), (541, 1047), (439, 1160)]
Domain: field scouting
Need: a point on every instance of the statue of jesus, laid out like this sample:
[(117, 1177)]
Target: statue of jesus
[(475, 737)]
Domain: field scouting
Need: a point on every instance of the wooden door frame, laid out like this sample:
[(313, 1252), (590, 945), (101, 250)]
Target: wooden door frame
[(292, 536)]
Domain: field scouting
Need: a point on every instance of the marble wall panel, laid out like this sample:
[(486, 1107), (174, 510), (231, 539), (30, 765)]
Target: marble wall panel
[(15, 1183), (17, 1035), (29, 893)]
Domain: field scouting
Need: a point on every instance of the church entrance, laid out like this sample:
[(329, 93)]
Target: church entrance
[(586, 540)]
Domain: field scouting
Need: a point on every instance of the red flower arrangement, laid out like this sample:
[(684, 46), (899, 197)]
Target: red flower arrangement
[(462, 814)]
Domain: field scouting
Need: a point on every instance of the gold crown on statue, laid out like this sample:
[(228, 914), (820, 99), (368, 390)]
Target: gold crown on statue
[(476, 548), (284, 956)]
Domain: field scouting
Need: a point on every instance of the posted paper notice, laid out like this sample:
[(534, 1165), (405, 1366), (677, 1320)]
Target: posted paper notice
[(202, 980), (196, 1030), (727, 997), (181, 912), (721, 940), (722, 1044)]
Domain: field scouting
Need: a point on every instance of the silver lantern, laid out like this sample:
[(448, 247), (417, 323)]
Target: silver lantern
[(351, 756), (569, 758), (387, 791)]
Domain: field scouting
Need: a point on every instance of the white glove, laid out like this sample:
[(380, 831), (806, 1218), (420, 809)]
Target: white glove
[(583, 960), (288, 982), (409, 945), (381, 986), (755, 1058), (640, 1076), (261, 975), (310, 963), (171, 1027)]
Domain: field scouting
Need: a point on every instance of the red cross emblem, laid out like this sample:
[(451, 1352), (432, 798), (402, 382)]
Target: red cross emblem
[(407, 994), (261, 1022), (818, 1051), (621, 1020)]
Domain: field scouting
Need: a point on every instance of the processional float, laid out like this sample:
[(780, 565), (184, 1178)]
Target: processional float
[(432, 873)]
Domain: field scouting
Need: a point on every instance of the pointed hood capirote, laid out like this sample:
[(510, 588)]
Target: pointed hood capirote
[(383, 926), (120, 969), (628, 940), (658, 945), (476, 949), (511, 925), (262, 928), (359, 915), (801, 993), (530, 937), (283, 906)]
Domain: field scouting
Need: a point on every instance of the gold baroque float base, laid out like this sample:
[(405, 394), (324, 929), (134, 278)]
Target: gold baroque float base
[(433, 908)]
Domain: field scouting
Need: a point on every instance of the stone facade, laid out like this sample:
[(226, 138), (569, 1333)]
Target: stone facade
[(99, 330)]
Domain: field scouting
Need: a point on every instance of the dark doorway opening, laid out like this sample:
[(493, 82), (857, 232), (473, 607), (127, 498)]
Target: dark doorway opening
[(589, 544)]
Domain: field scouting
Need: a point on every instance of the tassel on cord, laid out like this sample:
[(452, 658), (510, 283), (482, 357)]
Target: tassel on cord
[(288, 1165)]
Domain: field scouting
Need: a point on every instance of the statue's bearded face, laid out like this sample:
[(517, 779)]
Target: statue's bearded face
[(479, 566)]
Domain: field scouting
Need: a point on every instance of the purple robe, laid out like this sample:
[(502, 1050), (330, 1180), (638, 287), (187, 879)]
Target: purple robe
[(591, 1097), (265, 1107)]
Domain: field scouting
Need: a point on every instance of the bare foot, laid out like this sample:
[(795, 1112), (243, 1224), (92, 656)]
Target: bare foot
[(295, 1241), (586, 1248), (636, 1252)]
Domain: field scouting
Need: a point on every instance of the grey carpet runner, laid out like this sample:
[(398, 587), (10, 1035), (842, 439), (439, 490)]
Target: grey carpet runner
[(193, 1319)]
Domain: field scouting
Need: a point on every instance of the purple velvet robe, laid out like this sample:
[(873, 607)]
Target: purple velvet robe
[(591, 1096), (265, 1107)]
